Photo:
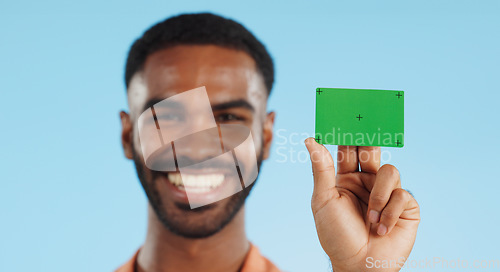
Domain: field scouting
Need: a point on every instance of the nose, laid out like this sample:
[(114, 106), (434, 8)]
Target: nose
[(198, 147)]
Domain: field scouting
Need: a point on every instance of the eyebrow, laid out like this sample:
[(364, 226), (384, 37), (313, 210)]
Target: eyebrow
[(154, 101), (240, 103)]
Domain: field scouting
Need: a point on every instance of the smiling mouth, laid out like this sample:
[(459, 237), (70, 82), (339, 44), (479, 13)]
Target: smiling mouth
[(196, 183)]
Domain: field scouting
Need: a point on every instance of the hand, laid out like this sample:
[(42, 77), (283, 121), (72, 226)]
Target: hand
[(363, 217)]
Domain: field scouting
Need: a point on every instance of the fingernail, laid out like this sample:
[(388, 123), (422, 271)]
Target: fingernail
[(382, 230), (373, 216)]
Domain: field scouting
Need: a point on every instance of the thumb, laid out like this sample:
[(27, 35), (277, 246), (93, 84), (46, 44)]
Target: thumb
[(323, 168)]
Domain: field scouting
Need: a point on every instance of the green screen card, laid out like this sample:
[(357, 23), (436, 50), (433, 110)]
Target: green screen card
[(359, 117)]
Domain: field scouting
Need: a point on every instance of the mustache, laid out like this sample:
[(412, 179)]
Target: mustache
[(223, 166), (166, 160)]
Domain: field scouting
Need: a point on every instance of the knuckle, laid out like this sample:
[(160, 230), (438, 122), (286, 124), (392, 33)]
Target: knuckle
[(327, 168), (400, 193), (390, 170), (388, 216), (378, 200)]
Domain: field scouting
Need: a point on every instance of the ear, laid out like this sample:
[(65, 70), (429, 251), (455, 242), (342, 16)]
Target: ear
[(268, 134), (126, 134)]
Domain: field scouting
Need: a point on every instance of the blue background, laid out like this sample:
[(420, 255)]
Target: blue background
[(70, 201)]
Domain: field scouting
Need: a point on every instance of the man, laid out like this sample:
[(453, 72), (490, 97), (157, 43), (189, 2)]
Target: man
[(360, 213)]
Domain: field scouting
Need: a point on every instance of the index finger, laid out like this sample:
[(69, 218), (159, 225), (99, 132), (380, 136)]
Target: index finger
[(347, 159), (369, 158)]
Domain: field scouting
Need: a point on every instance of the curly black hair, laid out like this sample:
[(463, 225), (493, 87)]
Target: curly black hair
[(199, 29)]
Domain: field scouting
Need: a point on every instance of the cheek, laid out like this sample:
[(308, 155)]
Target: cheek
[(137, 145), (248, 154), (257, 131)]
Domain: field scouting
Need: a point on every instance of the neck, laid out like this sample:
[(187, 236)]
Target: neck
[(166, 251)]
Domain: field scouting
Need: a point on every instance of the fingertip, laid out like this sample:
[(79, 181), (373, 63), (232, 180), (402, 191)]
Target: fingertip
[(311, 144), (389, 170), (381, 230), (309, 140), (373, 216)]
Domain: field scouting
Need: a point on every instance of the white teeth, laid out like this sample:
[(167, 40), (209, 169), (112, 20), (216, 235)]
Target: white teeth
[(196, 183)]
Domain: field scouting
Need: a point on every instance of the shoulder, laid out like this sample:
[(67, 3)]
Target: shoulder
[(129, 266), (256, 262)]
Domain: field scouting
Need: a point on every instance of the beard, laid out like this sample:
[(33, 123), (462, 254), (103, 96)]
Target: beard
[(179, 218)]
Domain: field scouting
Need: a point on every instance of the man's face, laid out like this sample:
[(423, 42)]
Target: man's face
[(237, 95)]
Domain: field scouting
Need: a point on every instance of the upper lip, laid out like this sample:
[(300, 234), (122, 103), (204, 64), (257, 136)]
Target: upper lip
[(204, 171)]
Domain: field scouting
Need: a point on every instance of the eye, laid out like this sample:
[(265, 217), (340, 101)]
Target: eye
[(169, 117), (229, 117)]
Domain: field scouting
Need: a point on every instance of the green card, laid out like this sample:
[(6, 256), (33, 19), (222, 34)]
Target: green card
[(360, 117)]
